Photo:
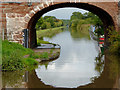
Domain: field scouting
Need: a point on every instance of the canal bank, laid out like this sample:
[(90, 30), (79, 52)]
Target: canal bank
[(99, 39), (48, 54)]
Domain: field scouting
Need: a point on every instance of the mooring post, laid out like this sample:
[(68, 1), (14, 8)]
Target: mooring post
[(26, 38)]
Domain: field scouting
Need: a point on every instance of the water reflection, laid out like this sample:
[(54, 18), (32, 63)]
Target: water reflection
[(76, 64), (80, 65), (109, 78), (99, 63), (78, 34), (12, 79)]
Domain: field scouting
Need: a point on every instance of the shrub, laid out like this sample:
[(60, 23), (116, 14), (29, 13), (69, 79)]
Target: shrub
[(13, 55), (12, 62), (29, 61), (114, 39)]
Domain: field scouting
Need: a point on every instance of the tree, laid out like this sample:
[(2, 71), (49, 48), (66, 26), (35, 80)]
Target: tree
[(48, 22), (43, 25), (74, 23), (76, 15), (77, 19), (48, 25), (39, 23)]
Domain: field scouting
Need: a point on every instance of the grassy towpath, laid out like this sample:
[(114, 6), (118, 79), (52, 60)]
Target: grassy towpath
[(47, 33)]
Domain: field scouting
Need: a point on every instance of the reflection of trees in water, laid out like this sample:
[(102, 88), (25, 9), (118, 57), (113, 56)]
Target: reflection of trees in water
[(99, 65), (99, 62), (80, 33), (107, 78), (12, 79), (45, 63), (108, 70), (113, 65)]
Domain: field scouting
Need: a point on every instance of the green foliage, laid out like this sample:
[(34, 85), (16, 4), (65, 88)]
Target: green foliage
[(83, 33), (43, 25), (50, 19), (7, 47), (42, 42), (99, 31), (29, 62), (99, 26), (12, 61), (66, 22), (51, 51), (99, 63), (48, 22), (44, 55), (114, 39), (48, 33), (89, 15), (13, 55), (39, 24), (34, 55), (16, 57), (48, 25), (113, 65), (76, 15), (78, 19), (79, 24), (12, 79), (75, 23)]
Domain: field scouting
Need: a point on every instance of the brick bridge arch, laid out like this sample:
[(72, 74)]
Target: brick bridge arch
[(104, 15), (17, 16)]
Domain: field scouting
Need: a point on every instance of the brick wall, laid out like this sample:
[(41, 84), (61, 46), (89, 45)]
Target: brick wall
[(14, 17), (13, 20)]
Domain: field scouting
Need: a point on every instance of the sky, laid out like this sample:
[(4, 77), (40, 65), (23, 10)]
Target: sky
[(64, 13)]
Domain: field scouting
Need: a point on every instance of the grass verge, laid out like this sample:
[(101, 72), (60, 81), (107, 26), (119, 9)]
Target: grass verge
[(39, 42), (16, 57), (13, 57), (48, 32)]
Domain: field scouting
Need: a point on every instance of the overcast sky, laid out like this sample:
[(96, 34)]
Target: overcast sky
[(63, 13)]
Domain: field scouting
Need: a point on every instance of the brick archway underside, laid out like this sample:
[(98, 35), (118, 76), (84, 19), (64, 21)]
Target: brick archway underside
[(103, 15)]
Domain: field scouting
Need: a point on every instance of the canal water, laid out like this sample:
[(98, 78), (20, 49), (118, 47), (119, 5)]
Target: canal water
[(79, 65), (76, 64)]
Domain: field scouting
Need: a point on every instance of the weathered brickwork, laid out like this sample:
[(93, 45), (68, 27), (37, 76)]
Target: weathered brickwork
[(16, 16)]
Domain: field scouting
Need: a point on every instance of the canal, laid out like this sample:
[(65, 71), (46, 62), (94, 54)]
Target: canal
[(79, 65), (76, 64)]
